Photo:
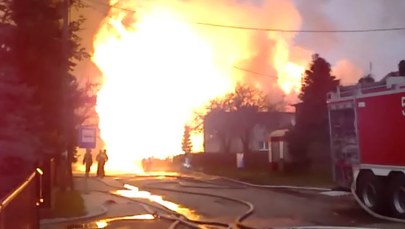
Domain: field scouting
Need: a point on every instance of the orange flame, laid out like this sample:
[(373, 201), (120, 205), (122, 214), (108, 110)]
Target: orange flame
[(289, 74), (159, 68)]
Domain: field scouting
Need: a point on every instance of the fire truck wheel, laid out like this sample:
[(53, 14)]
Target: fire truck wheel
[(370, 191), (397, 196)]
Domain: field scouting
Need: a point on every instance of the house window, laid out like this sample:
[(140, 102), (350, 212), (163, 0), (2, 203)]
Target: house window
[(263, 146)]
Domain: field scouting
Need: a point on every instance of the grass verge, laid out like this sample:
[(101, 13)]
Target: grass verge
[(304, 178), (68, 204)]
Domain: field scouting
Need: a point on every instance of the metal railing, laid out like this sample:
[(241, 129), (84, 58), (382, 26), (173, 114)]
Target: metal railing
[(389, 83), (19, 208)]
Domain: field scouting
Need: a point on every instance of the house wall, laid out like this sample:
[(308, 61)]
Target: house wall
[(259, 140), (267, 122)]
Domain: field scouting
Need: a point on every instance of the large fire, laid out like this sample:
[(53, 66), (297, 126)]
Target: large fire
[(159, 67)]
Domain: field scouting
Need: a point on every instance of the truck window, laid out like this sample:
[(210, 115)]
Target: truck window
[(342, 123)]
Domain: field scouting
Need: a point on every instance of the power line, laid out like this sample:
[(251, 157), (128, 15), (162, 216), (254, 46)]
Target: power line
[(253, 72), (301, 31), (368, 30)]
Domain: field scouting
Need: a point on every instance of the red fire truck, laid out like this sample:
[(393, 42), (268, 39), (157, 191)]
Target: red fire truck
[(367, 132)]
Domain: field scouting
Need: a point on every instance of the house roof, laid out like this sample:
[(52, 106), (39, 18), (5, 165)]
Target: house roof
[(278, 133)]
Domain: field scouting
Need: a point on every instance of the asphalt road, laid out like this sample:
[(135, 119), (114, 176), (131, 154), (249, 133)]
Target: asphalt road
[(273, 208)]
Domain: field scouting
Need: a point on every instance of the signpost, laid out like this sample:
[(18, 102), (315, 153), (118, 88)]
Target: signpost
[(87, 137)]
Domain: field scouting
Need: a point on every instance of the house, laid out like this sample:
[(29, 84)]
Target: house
[(240, 131)]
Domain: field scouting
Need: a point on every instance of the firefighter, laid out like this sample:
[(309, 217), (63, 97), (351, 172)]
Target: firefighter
[(88, 161), (102, 158)]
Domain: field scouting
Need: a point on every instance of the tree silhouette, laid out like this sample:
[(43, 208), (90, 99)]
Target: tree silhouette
[(233, 115), (43, 61), (312, 115), (20, 121), (186, 144)]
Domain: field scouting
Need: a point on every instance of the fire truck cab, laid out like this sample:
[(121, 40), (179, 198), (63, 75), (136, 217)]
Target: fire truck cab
[(367, 139)]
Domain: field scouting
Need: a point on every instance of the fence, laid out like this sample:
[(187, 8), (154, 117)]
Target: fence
[(46, 182), (252, 160), (19, 209)]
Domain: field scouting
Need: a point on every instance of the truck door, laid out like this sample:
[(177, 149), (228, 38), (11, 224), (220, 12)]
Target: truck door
[(343, 140)]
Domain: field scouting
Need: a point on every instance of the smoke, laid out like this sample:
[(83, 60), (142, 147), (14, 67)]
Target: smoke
[(347, 72), (266, 53), (383, 49), (348, 53), (314, 17)]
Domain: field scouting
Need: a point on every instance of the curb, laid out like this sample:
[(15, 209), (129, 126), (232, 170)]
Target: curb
[(100, 210)]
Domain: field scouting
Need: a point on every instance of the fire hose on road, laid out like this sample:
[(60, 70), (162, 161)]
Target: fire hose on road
[(179, 219), (175, 215), (238, 220), (353, 191)]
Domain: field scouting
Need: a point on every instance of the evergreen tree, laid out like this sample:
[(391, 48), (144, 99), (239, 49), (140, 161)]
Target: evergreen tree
[(187, 145), (19, 120), (44, 62), (317, 83), (312, 114)]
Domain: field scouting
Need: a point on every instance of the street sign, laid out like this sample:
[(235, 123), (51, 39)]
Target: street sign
[(87, 137)]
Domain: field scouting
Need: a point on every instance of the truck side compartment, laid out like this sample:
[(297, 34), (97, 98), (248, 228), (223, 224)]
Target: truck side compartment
[(367, 134), (381, 130)]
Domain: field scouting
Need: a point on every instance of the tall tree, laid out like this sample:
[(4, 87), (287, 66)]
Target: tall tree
[(19, 120), (186, 144), (312, 114), (44, 62)]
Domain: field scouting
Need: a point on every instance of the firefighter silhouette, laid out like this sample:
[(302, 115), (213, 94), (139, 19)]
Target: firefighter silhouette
[(88, 161), (101, 158)]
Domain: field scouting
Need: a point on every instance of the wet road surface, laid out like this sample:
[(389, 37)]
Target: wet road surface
[(205, 200)]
